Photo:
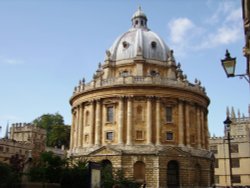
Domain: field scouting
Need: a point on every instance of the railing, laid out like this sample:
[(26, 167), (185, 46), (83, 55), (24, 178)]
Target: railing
[(138, 80)]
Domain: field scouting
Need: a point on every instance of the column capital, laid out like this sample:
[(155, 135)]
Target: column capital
[(129, 97), (150, 97), (158, 99)]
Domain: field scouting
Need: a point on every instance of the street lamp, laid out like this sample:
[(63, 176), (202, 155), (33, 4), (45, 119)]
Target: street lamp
[(227, 124), (229, 64)]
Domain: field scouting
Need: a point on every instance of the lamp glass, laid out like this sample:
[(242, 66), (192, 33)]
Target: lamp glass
[(229, 66)]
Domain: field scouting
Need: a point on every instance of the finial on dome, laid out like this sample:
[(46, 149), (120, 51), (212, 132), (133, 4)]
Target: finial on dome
[(139, 19)]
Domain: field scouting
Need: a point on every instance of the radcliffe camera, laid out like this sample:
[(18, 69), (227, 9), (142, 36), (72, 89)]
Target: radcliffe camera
[(124, 95)]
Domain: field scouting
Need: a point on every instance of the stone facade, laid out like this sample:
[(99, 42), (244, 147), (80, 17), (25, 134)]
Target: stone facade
[(24, 139), (9, 147), (142, 115), (240, 153)]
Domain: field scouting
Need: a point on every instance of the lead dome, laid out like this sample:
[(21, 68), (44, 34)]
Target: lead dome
[(139, 40)]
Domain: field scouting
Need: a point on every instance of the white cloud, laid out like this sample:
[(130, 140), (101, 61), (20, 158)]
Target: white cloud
[(224, 26), (179, 29), (10, 61), (234, 16)]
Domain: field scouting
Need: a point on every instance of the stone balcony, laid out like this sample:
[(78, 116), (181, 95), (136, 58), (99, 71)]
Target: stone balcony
[(139, 80)]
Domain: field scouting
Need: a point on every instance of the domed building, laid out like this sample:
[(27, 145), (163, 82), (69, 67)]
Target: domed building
[(141, 115)]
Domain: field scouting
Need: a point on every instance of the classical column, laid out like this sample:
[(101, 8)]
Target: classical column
[(198, 123), (129, 121), (158, 122), (98, 123), (120, 121), (206, 131), (72, 130), (202, 130), (80, 126), (187, 124), (76, 128), (92, 116), (149, 120), (180, 123)]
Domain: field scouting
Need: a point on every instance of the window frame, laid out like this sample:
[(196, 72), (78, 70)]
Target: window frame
[(235, 163), (110, 116), (236, 179), (169, 117), (107, 137), (142, 135), (234, 148), (167, 133)]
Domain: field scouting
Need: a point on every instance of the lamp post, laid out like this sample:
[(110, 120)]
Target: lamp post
[(229, 64), (227, 124)]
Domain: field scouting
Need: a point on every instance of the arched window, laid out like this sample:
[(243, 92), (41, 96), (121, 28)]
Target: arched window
[(124, 73), (139, 171), (197, 175), (173, 174)]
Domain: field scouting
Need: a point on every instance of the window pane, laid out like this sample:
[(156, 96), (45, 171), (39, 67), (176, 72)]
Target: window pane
[(139, 135), (216, 179), (234, 148), (236, 179), (216, 163), (168, 114), (110, 114), (214, 149), (109, 136), (235, 163), (169, 136)]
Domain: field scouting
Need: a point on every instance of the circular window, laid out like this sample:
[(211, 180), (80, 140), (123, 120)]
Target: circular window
[(153, 44), (125, 44)]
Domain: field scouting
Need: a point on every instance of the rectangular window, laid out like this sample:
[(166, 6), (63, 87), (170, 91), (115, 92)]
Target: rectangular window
[(216, 179), (236, 179), (234, 148), (109, 135), (110, 114), (216, 163), (169, 114), (169, 136), (214, 149), (139, 135), (235, 163)]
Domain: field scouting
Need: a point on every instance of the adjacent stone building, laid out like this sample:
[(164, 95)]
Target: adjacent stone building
[(25, 139), (140, 114), (240, 152)]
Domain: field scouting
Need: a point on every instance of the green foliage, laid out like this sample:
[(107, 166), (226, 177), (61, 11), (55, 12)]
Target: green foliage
[(48, 169), (107, 176), (46, 121), (53, 169), (75, 176), (119, 180), (58, 134), (8, 177)]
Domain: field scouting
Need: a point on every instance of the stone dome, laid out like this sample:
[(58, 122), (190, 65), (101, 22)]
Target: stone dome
[(139, 41)]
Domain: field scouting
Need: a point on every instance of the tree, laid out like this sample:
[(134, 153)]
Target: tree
[(48, 168), (57, 133), (46, 121)]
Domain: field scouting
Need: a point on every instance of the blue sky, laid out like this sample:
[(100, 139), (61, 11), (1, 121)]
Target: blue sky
[(46, 47)]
